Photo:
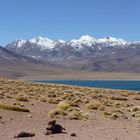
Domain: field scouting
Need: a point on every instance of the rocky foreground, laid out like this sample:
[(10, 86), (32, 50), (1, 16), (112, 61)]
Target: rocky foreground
[(85, 113)]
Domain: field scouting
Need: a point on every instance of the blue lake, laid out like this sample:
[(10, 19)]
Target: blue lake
[(112, 84)]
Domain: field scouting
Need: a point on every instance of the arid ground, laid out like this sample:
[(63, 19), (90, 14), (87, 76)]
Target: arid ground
[(78, 75), (93, 114)]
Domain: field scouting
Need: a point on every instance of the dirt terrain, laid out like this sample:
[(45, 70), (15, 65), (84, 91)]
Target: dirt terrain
[(78, 75), (90, 113)]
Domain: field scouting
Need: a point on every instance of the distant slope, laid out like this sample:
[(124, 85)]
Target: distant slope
[(13, 65)]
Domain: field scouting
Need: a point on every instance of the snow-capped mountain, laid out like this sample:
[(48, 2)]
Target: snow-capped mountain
[(85, 53), (107, 41), (84, 40), (18, 43), (36, 47), (44, 48), (46, 43), (113, 41)]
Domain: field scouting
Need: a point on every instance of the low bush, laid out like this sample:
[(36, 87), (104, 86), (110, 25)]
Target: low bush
[(21, 98), (63, 106), (114, 116), (77, 115), (53, 101), (56, 113), (13, 108), (118, 98), (93, 106)]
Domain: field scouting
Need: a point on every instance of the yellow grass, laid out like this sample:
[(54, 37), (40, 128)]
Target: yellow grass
[(13, 108)]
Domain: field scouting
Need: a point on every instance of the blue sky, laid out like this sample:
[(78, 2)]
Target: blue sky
[(68, 19)]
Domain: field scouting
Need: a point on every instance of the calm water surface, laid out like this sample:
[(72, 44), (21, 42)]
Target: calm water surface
[(112, 84)]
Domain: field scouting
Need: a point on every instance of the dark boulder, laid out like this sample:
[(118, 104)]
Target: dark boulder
[(73, 135), (24, 134), (54, 128)]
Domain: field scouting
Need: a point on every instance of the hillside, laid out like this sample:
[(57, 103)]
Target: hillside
[(14, 65), (84, 58), (87, 53)]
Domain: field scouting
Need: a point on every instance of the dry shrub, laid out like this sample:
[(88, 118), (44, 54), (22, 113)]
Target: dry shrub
[(53, 101), (56, 113), (114, 116), (13, 108), (118, 98), (93, 105), (77, 115), (63, 105), (22, 98)]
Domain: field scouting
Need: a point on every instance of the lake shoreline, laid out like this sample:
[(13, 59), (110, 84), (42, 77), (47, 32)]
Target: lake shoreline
[(105, 84)]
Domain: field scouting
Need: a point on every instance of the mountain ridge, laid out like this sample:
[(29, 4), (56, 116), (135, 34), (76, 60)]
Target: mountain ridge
[(87, 53), (85, 39)]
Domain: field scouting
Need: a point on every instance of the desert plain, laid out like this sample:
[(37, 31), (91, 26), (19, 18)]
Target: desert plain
[(90, 113)]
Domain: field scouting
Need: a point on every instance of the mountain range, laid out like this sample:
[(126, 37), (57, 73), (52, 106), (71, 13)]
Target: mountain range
[(47, 49), (87, 53)]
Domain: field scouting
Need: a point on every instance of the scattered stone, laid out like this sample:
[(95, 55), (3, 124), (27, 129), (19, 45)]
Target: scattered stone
[(22, 105), (54, 128), (53, 122), (11, 119), (2, 122), (124, 117), (24, 134), (30, 116), (114, 116), (73, 135)]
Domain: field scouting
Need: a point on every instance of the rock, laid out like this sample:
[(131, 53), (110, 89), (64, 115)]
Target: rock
[(2, 122), (24, 134), (73, 135), (124, 117), (54, 128), (0, 117), (53, 122), (30, 116), (11, 119)]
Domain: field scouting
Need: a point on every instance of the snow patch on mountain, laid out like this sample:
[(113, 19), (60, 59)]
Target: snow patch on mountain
[(45, 43), (19, 43), (83, 40), (87, 40), (61, 41), (112, 41)]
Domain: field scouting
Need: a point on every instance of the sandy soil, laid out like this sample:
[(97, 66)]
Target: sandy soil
[(82, 76), (97, 127)]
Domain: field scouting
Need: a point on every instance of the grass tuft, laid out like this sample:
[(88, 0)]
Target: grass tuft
[(77, 115), (13, 108), (21, 98), (63, 106), (93, 106), (56, 113)]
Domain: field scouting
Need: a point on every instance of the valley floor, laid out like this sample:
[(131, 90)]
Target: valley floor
[(93, 114), (82, 76)]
